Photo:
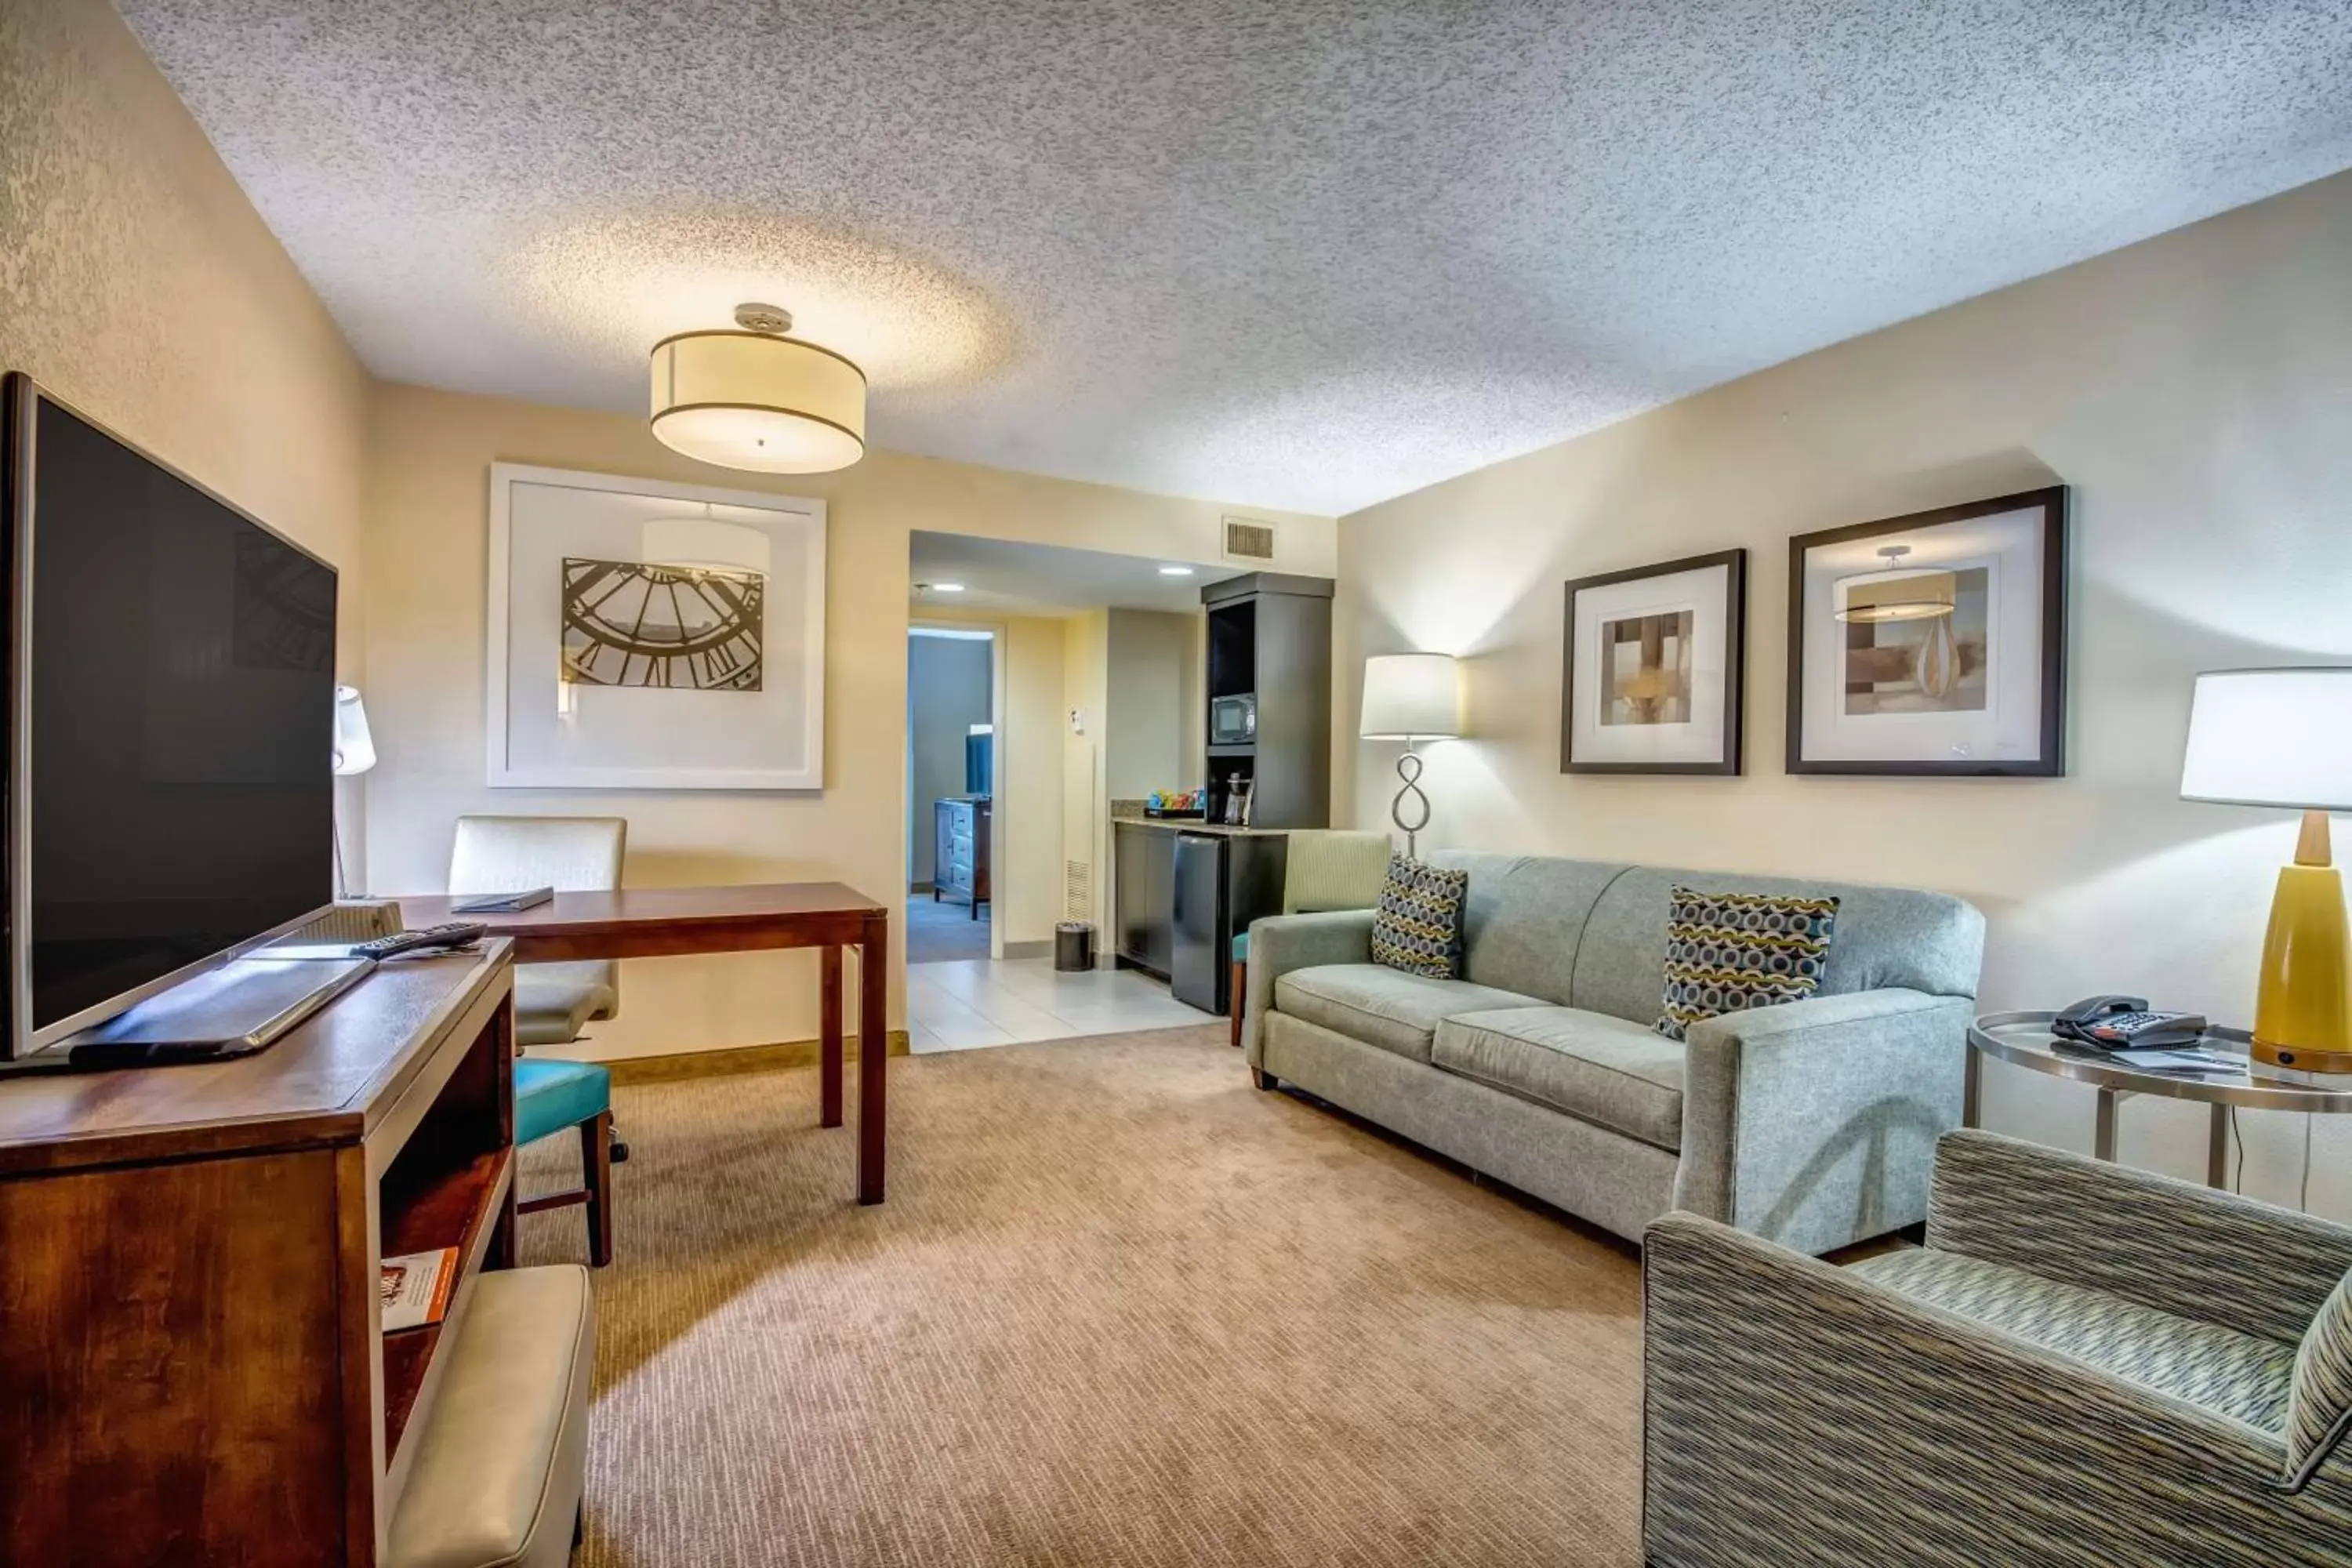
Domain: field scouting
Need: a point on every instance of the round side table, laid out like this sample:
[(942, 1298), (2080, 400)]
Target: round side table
[(2023, 1040)]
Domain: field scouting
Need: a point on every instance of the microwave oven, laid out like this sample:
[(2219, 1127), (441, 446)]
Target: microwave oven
[(1233, 720)]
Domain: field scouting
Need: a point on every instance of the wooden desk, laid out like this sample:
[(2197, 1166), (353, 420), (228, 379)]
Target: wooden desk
[(667, 922)]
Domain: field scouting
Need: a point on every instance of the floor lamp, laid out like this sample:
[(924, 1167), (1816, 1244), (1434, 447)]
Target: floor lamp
[(1411, 697), (355, 754)]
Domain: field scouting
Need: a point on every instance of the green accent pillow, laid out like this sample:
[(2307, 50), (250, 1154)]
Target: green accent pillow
[(1729, 951), (1417, 925)]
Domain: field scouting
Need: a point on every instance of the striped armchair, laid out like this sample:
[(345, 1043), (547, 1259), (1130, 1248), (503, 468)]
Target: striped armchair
[(2086, 1365)]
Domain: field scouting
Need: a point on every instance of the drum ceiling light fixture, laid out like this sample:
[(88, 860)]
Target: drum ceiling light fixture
[(755, 399)]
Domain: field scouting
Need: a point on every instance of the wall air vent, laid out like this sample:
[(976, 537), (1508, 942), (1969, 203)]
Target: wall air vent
[(1248, 540)]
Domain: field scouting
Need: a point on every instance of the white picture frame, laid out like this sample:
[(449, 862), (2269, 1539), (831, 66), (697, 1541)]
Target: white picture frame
[(547, 727)]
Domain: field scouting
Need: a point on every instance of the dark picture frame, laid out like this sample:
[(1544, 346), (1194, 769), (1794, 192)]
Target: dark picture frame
[(2047, 613), (1728, 761)]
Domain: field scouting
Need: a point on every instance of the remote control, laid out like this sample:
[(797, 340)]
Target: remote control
[(457, 933)]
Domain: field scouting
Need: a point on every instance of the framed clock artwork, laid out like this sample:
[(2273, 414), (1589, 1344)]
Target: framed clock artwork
[(645, 634)]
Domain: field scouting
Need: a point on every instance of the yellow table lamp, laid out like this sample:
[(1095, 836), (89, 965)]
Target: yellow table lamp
[(2283, 738)]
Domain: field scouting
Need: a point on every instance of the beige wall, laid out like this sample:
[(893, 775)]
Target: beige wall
[(1085, 805), (2196, 390), (1026, 865), (138, 283), (1153, 688), (427, 536)]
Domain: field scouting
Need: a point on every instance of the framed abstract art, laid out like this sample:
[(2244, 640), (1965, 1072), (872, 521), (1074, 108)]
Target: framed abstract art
[(1650, 668), (1933, 644)]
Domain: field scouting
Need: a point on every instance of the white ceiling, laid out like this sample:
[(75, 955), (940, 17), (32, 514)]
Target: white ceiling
[(1307, 254), (1016, 579)]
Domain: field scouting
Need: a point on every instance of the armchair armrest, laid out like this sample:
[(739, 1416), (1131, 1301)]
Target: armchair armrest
[(1794, 1412), (1814, 1122), (1280, 943), (2185, 1249)]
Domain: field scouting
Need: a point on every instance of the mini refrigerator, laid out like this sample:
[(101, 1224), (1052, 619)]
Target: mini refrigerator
[(1222, 881)]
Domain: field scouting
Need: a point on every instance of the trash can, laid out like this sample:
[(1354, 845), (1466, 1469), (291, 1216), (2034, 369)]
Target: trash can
[(1074, 945)]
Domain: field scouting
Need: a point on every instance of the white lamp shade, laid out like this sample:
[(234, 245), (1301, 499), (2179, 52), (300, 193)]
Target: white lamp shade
[(354, 747), (706, 544), (2271, 737), (1411, 696), (755, 401)]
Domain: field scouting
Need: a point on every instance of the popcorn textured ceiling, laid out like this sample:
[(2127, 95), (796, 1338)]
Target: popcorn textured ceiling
[(1309, 253)]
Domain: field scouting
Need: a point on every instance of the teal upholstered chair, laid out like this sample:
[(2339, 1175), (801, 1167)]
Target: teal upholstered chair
[(1321, 869), (554, 1001)]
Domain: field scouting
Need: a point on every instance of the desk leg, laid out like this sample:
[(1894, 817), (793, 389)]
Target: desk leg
[(2103, 1130), (2217, 1150), (1971, 1092), (829, 1039), (872, 1054)]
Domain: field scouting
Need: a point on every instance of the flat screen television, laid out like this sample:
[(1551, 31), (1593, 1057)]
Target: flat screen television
[(170, 714)]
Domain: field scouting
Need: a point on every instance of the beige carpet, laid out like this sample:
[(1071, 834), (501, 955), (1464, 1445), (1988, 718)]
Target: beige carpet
[(1122, 1309)]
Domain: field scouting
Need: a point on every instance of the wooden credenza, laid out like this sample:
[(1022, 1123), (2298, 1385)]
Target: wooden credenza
[(193, 1368), (959, 869)]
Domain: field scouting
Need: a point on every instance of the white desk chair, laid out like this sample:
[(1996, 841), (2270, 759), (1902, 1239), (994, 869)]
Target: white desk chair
[(571, 854), (554, 1001)]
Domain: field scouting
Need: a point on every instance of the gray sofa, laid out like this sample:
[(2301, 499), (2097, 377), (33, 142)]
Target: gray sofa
[(1812, 1123)]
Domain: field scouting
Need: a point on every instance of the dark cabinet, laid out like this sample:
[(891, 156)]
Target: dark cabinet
[(1269, 641), (961, 864), (1182, 896), (1144, 877)]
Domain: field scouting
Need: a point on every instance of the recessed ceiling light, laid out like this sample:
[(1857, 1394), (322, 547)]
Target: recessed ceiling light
[(1175, 571), (941, 587)]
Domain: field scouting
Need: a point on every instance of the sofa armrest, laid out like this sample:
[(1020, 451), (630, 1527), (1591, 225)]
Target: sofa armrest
[(1280, 943), (2182, 1249), (1795, 1413), (1814, 1122)]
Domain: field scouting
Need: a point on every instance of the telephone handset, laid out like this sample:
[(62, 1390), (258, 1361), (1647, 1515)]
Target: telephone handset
[(2126, 1022)]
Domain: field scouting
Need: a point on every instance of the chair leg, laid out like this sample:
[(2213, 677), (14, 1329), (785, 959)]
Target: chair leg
[(1240, 983), (596, 1176), (1264, 1079)]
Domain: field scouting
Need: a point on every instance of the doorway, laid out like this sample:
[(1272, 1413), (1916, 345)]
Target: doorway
[(951, 793)]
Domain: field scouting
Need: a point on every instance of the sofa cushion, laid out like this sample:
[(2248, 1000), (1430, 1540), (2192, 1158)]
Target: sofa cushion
[(1525, 919), (1726, 952), (1384, 1007), (2233, 1373), (1600, 1069), (1887, 938), (1417, 927)]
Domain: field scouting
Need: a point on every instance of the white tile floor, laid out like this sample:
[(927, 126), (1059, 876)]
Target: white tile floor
[(970, 1002)]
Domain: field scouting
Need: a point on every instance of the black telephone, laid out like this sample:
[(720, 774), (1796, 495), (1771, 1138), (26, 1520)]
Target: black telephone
[(2126, 1024)]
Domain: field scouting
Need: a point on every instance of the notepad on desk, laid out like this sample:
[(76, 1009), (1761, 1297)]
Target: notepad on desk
[(503, 903), (2188, 1060)]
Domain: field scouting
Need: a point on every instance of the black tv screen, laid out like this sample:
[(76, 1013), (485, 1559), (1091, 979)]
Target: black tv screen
[(172, 789)]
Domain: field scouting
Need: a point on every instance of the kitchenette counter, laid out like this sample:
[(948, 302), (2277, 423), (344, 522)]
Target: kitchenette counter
[(1195, 825)]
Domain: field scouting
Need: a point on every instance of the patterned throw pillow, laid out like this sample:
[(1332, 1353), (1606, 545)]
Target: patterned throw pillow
[(1726, 952), (2320, 1395), (1418, 926)]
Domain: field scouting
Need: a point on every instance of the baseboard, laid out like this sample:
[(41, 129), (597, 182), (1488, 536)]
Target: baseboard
[(1030, 949), (727, 1060), (918, 887)]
